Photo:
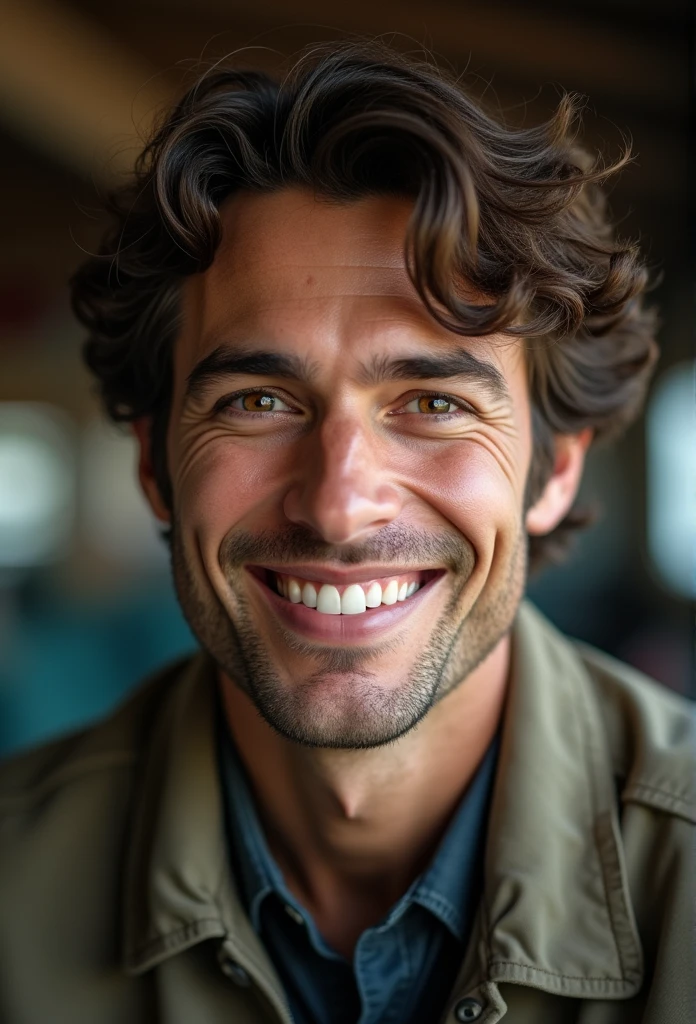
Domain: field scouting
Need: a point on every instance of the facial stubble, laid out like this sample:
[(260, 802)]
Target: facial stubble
[(339, 703)]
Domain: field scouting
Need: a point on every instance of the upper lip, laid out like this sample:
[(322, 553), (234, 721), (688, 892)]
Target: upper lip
[(343, 577)]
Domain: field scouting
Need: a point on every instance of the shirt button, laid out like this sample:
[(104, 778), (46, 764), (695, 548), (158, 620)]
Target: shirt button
[(294, 914), (468, 1009)]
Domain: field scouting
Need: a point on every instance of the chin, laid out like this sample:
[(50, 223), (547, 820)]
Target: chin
[(343, 711)]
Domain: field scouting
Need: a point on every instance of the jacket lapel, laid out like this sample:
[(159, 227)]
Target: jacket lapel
[(556, 910), (178, 885)]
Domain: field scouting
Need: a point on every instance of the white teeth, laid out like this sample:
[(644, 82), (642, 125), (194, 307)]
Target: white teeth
[(329, 600), (353, 600)]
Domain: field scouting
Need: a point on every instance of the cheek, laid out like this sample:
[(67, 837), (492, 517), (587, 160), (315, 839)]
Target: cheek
[(221, 484), (474, 490)]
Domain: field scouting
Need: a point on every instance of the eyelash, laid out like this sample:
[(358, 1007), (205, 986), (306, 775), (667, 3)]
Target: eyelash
[(225, 403)]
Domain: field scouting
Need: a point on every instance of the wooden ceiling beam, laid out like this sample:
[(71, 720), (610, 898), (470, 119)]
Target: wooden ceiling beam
[(542, 47), (73, 90), (67, 87)]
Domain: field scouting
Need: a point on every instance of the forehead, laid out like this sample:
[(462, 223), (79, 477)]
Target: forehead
[(298, 271), (297, 236)]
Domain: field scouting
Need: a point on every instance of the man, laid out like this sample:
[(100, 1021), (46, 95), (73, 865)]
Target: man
[(365, 336)]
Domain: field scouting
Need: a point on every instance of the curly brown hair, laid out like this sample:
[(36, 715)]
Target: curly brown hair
[(516, 212)]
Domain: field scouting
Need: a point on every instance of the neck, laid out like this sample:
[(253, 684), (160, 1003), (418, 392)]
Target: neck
[(351, 829)]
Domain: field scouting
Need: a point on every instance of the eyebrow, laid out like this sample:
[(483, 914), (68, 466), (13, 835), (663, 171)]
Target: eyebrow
[(457, 365), (225, 362)]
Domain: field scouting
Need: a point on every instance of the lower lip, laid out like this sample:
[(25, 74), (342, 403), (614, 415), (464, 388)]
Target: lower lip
[(367, 625)]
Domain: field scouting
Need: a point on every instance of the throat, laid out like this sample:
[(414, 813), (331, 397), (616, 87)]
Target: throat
[(343, 908)]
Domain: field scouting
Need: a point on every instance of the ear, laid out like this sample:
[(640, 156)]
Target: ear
[(562, 486), (142, 428)]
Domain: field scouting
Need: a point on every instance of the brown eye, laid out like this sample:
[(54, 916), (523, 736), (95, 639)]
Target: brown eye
[(258, 401), (433, 404)]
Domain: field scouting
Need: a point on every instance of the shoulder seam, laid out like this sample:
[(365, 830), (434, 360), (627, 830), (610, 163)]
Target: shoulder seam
[(63, 776)]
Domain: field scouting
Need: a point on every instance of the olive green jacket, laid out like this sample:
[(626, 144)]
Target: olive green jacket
[(117, 904)]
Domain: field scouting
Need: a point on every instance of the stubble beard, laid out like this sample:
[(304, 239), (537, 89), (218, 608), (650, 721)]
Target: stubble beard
[(340, 704)]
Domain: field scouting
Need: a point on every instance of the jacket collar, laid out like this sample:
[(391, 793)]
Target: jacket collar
[(556, 912)]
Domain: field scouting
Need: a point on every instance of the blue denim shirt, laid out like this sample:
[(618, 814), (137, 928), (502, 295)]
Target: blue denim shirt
[(403, 968)]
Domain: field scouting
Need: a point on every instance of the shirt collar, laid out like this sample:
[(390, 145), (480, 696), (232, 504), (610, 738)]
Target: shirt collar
[(258, 873), (556, 911), (450, 888)]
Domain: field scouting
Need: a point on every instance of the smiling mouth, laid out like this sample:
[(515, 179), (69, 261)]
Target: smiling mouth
[(345, 599)]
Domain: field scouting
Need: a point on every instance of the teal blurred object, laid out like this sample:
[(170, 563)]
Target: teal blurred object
[(65, 663)]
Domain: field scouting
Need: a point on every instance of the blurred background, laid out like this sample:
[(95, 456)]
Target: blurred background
[(86, 602)]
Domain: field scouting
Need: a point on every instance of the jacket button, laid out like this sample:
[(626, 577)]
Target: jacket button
[(235, 972), (468, 1009)]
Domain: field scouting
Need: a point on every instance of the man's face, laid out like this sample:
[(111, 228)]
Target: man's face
[(329, 444)]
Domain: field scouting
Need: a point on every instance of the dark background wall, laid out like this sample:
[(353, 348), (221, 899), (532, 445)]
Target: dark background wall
[(85, 599)]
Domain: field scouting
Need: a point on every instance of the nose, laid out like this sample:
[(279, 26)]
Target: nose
[(342, 492)]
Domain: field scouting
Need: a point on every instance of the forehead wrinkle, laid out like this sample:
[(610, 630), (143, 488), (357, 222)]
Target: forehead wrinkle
[(270, 278), (378, 317), (322, 263)]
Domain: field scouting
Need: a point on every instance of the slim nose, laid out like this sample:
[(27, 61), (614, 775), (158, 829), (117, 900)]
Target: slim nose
[(342, 492)]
